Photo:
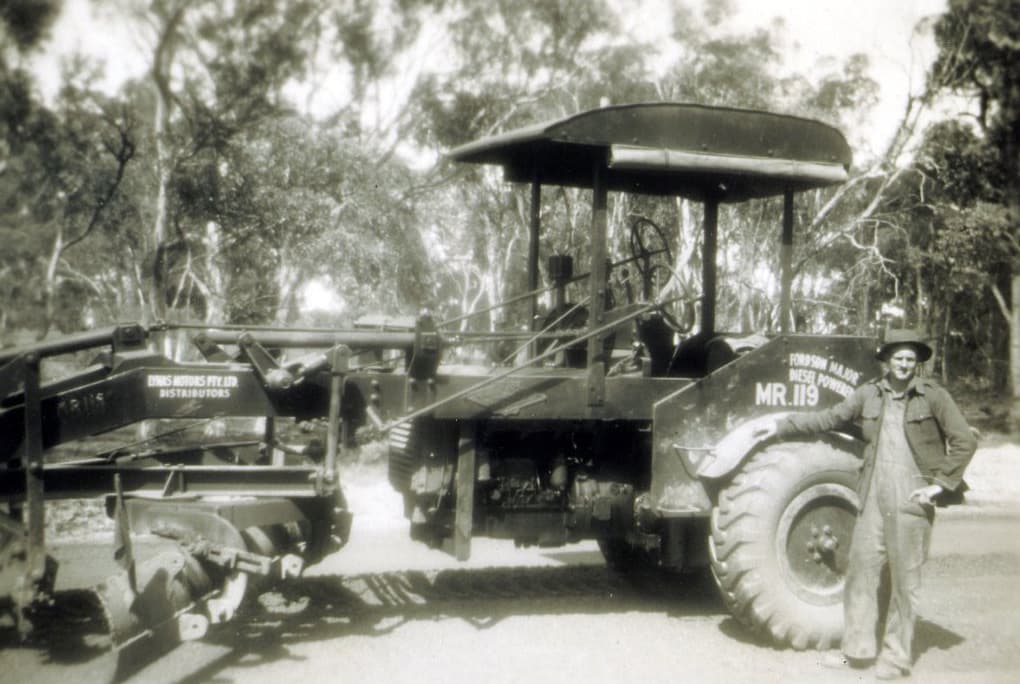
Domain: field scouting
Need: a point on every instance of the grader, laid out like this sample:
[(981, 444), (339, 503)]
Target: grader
[(615, 422)]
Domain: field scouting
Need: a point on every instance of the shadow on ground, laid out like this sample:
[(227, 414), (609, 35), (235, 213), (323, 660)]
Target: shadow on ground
[(323, 608), (374, 604), (929, 636), (315, 609), (69, 629)]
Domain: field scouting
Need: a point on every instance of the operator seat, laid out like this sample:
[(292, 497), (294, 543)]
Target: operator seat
[(690, 358), (656, 337), (704, 353)]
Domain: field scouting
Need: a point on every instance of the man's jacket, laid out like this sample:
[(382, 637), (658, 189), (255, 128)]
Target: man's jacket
[(940, 439)]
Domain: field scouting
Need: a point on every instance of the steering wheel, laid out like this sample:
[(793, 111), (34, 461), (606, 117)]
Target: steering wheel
[(648, 240)]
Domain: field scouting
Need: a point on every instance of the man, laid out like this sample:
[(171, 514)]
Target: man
[(918, 445)]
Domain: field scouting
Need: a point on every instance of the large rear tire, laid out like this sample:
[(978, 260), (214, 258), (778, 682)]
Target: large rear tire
[(780, 541)]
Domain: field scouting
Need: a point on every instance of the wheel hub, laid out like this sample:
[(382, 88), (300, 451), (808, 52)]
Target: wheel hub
[(813, 541), (823, 544)]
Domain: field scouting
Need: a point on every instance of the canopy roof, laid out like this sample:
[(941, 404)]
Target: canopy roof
[(668, 148)]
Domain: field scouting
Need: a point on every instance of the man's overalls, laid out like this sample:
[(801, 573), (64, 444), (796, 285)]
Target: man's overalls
[(890, 530)]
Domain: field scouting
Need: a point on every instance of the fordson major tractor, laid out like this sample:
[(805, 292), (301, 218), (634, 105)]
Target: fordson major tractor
[(615, 423)]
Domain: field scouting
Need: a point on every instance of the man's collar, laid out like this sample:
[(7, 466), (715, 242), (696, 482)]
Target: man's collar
[(915, 386)]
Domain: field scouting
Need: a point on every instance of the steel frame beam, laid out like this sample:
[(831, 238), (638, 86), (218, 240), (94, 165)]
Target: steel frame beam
[(88, 481)]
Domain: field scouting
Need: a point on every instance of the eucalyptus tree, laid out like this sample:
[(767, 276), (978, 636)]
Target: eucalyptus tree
[(508, 63), (979, 58), (25, 128), (517, 63), (943, 228), (216, 72), (256, 106), (60, 177), (304, 204), (24, 24)]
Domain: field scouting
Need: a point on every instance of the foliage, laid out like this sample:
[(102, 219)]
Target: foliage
[(978, 173), (272, 145), (495, 83), (27, 21), (979, 43), (59, 184)]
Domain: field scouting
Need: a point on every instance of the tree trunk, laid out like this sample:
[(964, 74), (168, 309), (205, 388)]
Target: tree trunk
[(1013, 313), (946, 320), (161, 66), (50, 284), (157, 285), (1014, 350), (288, 283), (863, 307)]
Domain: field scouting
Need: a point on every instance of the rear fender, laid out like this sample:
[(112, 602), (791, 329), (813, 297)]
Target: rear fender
[(733, 449), (704, 430)]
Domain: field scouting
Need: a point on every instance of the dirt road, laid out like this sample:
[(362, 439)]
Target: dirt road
[(386, 610)]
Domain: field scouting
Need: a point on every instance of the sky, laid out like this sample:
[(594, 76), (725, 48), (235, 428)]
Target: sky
[(882, 29), (815, 29), (819, 29)]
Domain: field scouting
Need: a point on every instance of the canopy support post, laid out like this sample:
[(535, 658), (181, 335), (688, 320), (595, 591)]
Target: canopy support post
[(535, 227), (786, 265), (598, 284), (708, 266)]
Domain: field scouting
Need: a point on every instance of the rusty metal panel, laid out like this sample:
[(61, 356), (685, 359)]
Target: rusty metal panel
[(553, 396), (789, 373), (530, 395), (99, 401)]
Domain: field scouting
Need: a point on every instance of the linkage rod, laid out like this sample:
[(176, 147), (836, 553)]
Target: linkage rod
[(552, 351), (541, 290), (64, 345)]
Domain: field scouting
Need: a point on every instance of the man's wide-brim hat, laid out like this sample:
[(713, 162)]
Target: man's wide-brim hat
[(895, 339)]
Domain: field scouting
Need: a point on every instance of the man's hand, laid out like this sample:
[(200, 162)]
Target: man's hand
[(924, 495)]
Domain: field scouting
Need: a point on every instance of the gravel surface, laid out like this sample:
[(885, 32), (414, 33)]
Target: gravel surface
[(388, 610)]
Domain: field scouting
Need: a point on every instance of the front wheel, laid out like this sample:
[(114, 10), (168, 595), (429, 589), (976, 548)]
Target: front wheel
[(781, 539)]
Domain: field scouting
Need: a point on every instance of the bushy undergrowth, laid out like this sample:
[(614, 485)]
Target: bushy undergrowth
[(77, 519)]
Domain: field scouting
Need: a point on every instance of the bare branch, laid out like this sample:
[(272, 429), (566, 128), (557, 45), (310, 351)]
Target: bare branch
[(1003, 306), (123, 156)]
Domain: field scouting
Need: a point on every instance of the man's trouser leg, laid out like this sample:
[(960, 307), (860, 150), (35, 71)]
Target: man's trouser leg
[(908, 540), (864, 572)]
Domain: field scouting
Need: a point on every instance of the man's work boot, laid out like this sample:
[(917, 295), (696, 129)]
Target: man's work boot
[(886, 670)]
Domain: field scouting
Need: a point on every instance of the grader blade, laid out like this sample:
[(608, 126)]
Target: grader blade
[(170, 590)]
